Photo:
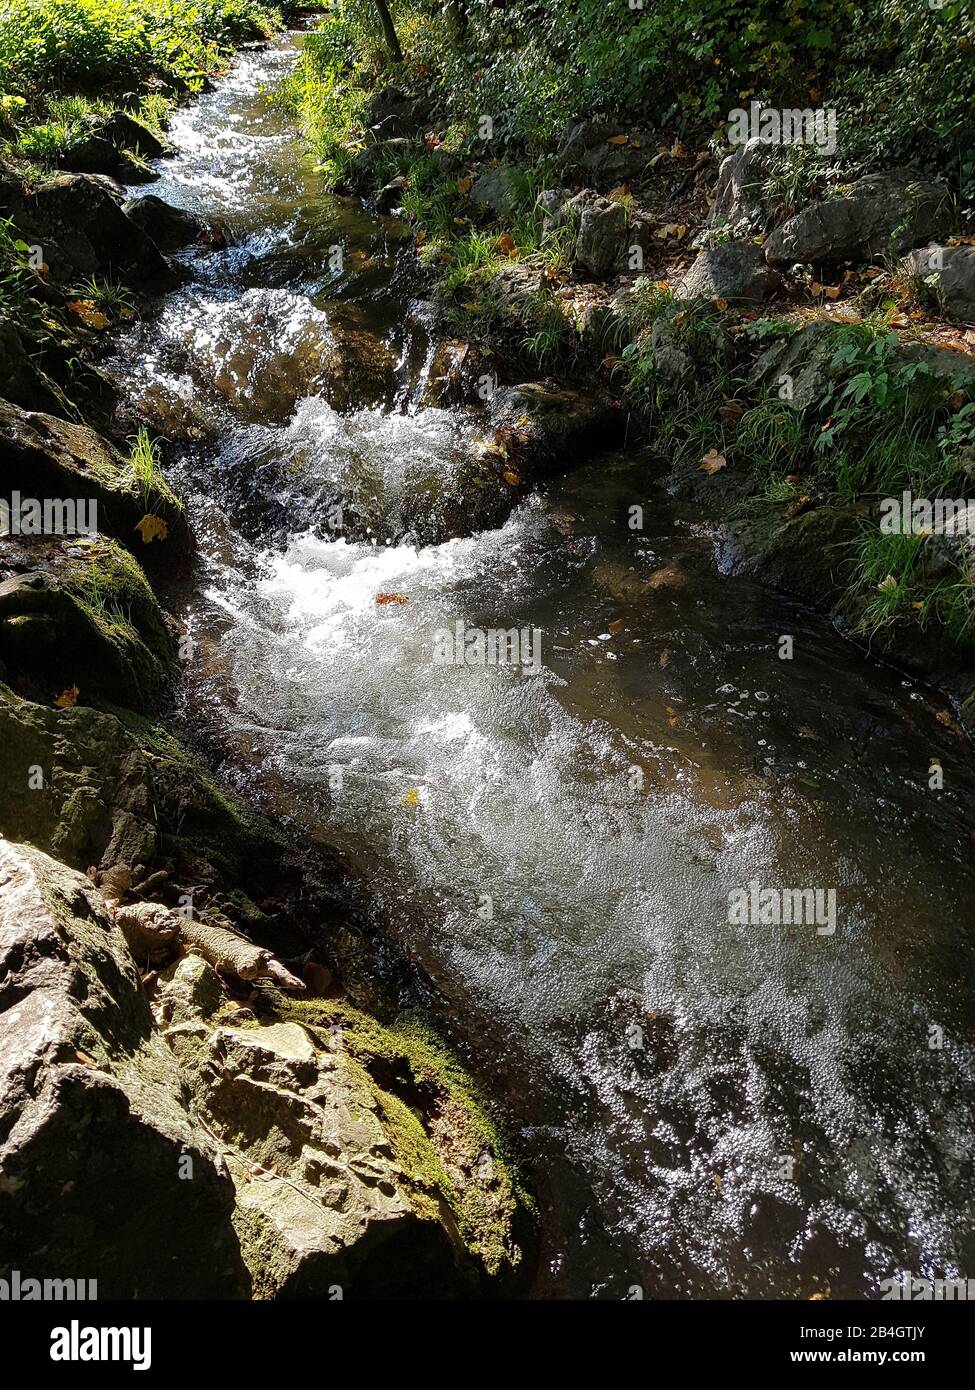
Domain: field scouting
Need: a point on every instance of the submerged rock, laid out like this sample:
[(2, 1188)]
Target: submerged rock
[(170, 228)]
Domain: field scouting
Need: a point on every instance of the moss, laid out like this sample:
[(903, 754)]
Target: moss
[(455, 1161)]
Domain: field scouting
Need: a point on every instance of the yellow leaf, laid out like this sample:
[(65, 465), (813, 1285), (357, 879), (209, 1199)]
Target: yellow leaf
[(464, 185), (152, 528), (617, 140), (68, 698), (712, 462), (721, 304), (511, 477), (412, 797), (89, 315)]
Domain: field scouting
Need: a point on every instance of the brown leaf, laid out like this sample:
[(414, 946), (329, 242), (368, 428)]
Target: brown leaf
[(68, 698), (464, 185), (712, 462), (506, 244), (616, 625), (84, 1057), (511, 477), (383, 599), (617, 140)]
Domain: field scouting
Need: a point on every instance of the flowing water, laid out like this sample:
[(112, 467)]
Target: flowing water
[(705, 1108)]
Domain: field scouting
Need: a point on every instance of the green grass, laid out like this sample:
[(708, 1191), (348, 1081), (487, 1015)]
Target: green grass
[(144, 467)]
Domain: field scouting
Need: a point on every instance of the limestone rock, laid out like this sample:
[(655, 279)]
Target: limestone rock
[(880, 214), (735, 271), (95, 1135), (739, 200), (949, 274)]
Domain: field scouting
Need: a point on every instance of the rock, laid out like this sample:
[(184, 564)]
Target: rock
[(77, 220), (551, 428), (393, 114), (803, 555), (79, 787), (552, 201), (170, 228), (880, 214), (602, 233), (104, 1173), (516, 288), (45, 458), (739, 199), (948, 272), (735, 271), (806, 357), (596, 152), (115, 647), (23, 381), (500, 189), (690, 345)]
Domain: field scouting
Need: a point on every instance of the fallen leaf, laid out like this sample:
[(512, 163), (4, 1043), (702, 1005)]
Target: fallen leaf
[(712, 462), (412, 797), (616, 625), (617, 140), (84, 1057), (506, 244), (885, 585), (721, 304), (89, 315), (796, 508), (511, 477), (383, 599), (464, 185), (68, 698), (152, 528)]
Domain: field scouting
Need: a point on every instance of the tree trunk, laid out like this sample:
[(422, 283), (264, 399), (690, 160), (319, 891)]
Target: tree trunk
[(389, 31)]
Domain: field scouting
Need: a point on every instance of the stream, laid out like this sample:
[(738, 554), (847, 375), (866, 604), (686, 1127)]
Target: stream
[(702, 1108)]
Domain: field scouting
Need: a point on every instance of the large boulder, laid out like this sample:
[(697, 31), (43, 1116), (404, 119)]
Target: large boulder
[(78, 222), (45, 458), (601, 235), (84, 617), (499, 189), (878, 215), (117, 145), (605, 155), (949, 274), (194, 1150), (78, 787), (170, 228), (740, 204), (735, 271), (103, 1173)]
